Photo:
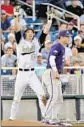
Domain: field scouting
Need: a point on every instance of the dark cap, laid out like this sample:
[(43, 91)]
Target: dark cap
[(64, 33)]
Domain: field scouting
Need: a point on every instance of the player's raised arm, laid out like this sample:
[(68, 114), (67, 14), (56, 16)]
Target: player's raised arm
[(45, 31), (17, 30)]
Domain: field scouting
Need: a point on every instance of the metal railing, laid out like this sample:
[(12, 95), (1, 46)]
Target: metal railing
[(65, 11), (31, 6)]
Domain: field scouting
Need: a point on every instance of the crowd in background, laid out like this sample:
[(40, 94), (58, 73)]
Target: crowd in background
[(74, 52)]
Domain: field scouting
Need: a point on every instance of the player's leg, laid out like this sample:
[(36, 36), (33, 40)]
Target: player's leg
[(55, 94), (58, 105), (36, 85), (46, 83), (20, 85)]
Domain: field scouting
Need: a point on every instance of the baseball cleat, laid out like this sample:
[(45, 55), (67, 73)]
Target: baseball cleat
[(45, 121), (59, 124), (67, 124), (10, 120)]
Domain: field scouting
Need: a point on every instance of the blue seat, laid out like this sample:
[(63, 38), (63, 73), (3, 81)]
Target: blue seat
[(6, 72)]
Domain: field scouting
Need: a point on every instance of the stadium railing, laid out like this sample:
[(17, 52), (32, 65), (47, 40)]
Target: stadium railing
[(49, 6)]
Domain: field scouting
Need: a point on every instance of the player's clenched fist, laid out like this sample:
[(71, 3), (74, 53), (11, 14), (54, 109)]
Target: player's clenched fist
[(44, 100)]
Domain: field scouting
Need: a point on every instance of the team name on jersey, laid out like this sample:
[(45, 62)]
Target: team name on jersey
[(28, 49)]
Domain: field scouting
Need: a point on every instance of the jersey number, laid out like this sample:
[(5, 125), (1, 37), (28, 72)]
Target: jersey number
[(33, 57)]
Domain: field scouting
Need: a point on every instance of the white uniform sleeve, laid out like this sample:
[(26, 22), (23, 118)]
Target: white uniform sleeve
[(52, 62)]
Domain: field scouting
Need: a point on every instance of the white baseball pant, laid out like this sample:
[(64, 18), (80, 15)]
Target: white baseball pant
[(23, 79), (55, 100)]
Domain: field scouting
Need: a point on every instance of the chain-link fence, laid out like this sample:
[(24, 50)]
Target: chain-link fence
[(72, 87)]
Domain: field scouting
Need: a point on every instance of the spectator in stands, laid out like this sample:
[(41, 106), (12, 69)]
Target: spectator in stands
[(20, 10), (82, 18), (82, 44), (68, 2), (22, 22), (82, 27), (8, 8), (62, 26), (28, 9), (76, 59), (8, 59), (11, 42), (80, 33), (40, 66), (59, 3), (74, 8), (73, 33), (5, 23), (45, 50), (68, 54), (78, 44), (70, 27)]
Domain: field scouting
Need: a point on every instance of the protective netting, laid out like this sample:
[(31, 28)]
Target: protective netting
[(72, 87)]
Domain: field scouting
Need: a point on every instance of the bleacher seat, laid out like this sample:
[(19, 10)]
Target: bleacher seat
[(6, 72)]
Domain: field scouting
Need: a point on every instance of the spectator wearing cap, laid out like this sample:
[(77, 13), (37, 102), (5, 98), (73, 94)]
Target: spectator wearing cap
[(8, 59), (40, 66), (45, 50), (11, 42), (5, 23), (8, 8)]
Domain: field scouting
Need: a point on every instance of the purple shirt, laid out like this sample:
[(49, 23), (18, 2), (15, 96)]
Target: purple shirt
[(58, 51)]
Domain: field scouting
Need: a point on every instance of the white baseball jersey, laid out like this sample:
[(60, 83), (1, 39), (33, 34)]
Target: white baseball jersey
[(26, 53)]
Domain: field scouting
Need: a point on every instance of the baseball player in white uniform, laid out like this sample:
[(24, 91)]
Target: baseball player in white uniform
[(27, 49)]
